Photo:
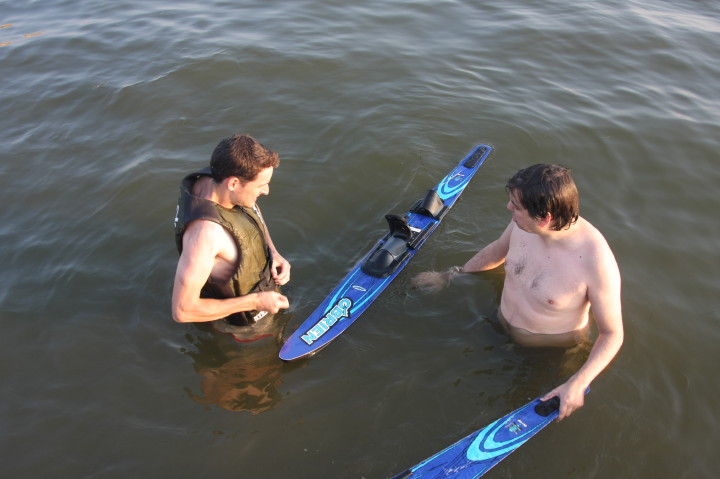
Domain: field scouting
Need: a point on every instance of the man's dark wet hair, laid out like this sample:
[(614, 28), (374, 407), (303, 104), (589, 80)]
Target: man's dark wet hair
[(242, 156), (543, 189)]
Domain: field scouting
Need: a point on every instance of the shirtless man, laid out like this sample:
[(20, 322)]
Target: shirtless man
[(557, 267), (229, 269)]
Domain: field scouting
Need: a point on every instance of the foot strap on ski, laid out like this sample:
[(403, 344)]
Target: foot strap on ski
[(388, 256), (430, 206)]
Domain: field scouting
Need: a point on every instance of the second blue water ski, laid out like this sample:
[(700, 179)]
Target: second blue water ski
[(383, 263), (477, 453)]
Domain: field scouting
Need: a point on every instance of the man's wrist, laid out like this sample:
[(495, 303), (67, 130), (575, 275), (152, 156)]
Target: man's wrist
[(456, 270)]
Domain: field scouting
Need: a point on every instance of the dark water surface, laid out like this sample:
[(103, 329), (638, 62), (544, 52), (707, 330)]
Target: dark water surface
[(104, 106)]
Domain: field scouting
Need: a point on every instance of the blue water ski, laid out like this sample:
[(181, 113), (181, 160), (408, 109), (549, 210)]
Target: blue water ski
[(382, 263), (476, 454)]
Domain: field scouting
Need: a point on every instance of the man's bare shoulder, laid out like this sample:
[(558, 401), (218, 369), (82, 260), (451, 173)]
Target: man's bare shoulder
[(203, 228), (596, 250), (203, 236), (510, 233), (591, 238)]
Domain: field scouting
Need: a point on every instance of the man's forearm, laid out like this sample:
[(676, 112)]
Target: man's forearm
[(601, 355), (487, 258)]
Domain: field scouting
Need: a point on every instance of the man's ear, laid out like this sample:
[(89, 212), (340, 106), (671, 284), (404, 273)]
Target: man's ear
[(232, 183), (545, 220)]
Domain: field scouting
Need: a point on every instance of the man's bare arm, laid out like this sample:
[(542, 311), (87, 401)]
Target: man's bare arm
[(491, 256), (604, 297), (200, 248)]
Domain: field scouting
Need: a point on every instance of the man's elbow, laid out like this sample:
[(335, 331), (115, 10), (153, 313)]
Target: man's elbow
[(613, 338), (180, 315), (620, 337)]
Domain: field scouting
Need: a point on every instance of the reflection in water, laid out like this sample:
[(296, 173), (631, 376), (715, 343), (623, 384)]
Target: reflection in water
[(540, 369), (238, 376), (540, 363), (532, 367)]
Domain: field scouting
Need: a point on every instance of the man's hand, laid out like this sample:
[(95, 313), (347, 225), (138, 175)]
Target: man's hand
[(431, 281), (280, 269), (271, 302), (572, 398)]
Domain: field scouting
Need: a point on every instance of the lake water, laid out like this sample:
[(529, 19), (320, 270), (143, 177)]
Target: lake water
[(104, 106)]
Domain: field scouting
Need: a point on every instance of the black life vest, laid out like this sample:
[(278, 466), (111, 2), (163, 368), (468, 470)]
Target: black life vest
[(253, 272)]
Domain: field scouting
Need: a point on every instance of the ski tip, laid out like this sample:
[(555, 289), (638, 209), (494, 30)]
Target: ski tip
[(289, 357), (289, 354), (477, 156)]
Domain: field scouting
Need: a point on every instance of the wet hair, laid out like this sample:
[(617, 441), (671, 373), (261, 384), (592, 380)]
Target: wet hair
[(543, 189), (242, 156)]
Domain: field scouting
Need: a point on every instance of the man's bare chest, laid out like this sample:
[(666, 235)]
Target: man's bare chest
[(547, 277)]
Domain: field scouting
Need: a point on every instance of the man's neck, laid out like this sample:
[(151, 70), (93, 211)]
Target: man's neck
[(206, 188), (552, 237)]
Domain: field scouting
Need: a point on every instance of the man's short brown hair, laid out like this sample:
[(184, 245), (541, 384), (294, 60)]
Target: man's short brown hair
[(241, 156)]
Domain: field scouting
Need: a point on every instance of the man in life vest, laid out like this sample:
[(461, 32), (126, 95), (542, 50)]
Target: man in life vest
[(229, 270)]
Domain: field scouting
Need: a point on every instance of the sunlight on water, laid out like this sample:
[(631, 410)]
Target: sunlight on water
[(104, 108)]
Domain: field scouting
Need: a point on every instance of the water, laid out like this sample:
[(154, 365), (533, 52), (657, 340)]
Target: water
[(104, 106)]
